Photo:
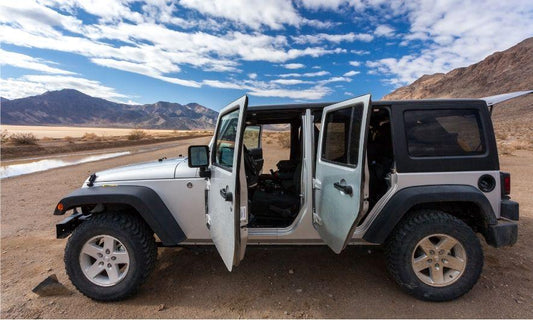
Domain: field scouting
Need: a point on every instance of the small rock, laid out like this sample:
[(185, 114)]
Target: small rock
[(49, 269), (299, 290), (50, 287), (291, 271), (286, 313), (330, 295), (161, 307)]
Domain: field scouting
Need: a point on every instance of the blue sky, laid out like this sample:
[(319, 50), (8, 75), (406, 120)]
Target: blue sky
[(277, 51)]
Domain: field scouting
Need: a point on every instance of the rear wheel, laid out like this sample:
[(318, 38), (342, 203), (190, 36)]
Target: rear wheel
[(434, 256), (109, 256)]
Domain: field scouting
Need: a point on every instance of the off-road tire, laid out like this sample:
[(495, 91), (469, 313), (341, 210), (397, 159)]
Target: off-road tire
[(134, 234), (404, 239)]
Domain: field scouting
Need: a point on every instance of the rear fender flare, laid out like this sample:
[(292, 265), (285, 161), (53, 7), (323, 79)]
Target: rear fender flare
[(405, 199), (143, 199)]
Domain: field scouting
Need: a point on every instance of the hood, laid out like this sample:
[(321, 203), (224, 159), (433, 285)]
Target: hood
[(165, 169)]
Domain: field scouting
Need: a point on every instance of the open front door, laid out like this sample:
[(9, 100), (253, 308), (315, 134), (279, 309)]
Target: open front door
[(339, 170), (227, 205)]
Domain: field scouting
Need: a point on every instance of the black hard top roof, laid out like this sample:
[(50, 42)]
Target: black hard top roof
[(321, 105)]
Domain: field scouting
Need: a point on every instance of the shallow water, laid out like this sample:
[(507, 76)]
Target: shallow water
[(47, 164)]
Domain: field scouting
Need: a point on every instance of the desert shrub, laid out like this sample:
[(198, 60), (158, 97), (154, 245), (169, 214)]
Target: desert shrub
[(47, 139), (23, 138), (69, 139), (90, 136), (4, 136), (284, 139), (137, 134)]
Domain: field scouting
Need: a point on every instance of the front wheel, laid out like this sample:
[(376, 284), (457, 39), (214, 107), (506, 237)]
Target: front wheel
[(434, 256), (109, 256)]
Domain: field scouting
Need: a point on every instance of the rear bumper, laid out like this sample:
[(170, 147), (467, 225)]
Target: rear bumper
[(504, 233)]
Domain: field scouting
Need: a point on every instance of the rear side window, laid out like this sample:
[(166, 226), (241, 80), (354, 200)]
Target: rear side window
[(341, 136), (437, 133)]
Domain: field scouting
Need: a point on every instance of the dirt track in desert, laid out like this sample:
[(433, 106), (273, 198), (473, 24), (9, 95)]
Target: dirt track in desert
[(194, 283)]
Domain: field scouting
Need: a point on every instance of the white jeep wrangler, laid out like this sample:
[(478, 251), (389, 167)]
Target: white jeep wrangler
[(420, 178)]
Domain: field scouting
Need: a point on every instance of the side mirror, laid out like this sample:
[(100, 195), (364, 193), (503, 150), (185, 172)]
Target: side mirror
[(198, 156)]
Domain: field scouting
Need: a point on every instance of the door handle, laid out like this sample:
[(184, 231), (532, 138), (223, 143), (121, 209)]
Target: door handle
[(228, 196), (344, 188)]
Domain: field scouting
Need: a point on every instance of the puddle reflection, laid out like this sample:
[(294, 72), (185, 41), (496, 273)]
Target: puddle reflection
[(47, 164)]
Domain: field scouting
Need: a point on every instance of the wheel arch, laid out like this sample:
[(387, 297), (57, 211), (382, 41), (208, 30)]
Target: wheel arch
[(462, 201), (143, 200)]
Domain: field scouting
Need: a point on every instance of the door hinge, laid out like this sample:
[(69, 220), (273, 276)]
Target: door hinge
[(317, 184), (316, 218), (243, 214)]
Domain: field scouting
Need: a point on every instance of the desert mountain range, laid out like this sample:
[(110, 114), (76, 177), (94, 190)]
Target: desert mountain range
[(70, 107)]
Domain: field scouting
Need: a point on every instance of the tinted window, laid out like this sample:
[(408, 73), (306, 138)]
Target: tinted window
[(443, 133), (225, 141), (341, 136)]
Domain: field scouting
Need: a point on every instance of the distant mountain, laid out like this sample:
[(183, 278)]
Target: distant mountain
[(70, 107), (501, 72)]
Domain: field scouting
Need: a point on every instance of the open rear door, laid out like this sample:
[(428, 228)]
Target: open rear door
[(227, 205), (339, 170)]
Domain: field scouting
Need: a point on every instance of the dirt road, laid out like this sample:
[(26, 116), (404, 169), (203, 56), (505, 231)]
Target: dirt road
[(194, 283)]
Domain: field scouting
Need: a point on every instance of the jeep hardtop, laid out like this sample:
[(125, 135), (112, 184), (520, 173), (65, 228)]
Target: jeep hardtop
[(421, 178)]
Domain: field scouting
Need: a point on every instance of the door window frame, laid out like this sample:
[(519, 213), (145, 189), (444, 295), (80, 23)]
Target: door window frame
[(350, 128), (217, 132)]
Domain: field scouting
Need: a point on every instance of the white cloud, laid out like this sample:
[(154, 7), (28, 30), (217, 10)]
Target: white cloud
[(334, 38), (307, 74), (252, 13), (289, 81), (313, 93), (252, 76), (355, 63), (360, 52), (29, 85), (384, 30), (26, 62), (293, 66), (351, 73), (455, 38)]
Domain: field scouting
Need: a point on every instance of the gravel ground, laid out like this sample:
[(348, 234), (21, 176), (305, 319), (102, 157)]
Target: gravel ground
[(281, 282)]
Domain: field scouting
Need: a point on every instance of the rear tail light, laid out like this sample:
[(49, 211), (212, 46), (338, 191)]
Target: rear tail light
[(506, 183)]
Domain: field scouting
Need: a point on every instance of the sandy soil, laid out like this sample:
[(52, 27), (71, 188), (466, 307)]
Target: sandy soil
[(194, 283)]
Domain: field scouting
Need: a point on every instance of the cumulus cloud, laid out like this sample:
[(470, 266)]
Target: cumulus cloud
[(334, 38), (28, 85), (293, 66), (355, 63), (384, 30), (307, 74), (455, 38)]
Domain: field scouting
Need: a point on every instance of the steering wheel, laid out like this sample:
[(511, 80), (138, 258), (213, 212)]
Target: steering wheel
[(252, 173)]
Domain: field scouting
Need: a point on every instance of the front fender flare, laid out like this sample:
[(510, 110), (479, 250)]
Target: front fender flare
[(143, 199), (405, 199)]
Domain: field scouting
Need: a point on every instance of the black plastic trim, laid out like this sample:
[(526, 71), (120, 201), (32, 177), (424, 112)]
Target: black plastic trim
[(505, 233), (145, 200), (405, 199), (509, 209)]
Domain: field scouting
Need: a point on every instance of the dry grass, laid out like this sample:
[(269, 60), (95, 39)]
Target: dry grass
[(23, 138), (5, 136), (138, 134)]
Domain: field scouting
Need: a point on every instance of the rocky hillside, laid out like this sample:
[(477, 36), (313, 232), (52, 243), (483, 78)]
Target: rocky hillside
[(501, 72), (70, 107)]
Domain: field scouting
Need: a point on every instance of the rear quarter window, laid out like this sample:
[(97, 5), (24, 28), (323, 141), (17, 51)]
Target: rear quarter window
[(440, 133)]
